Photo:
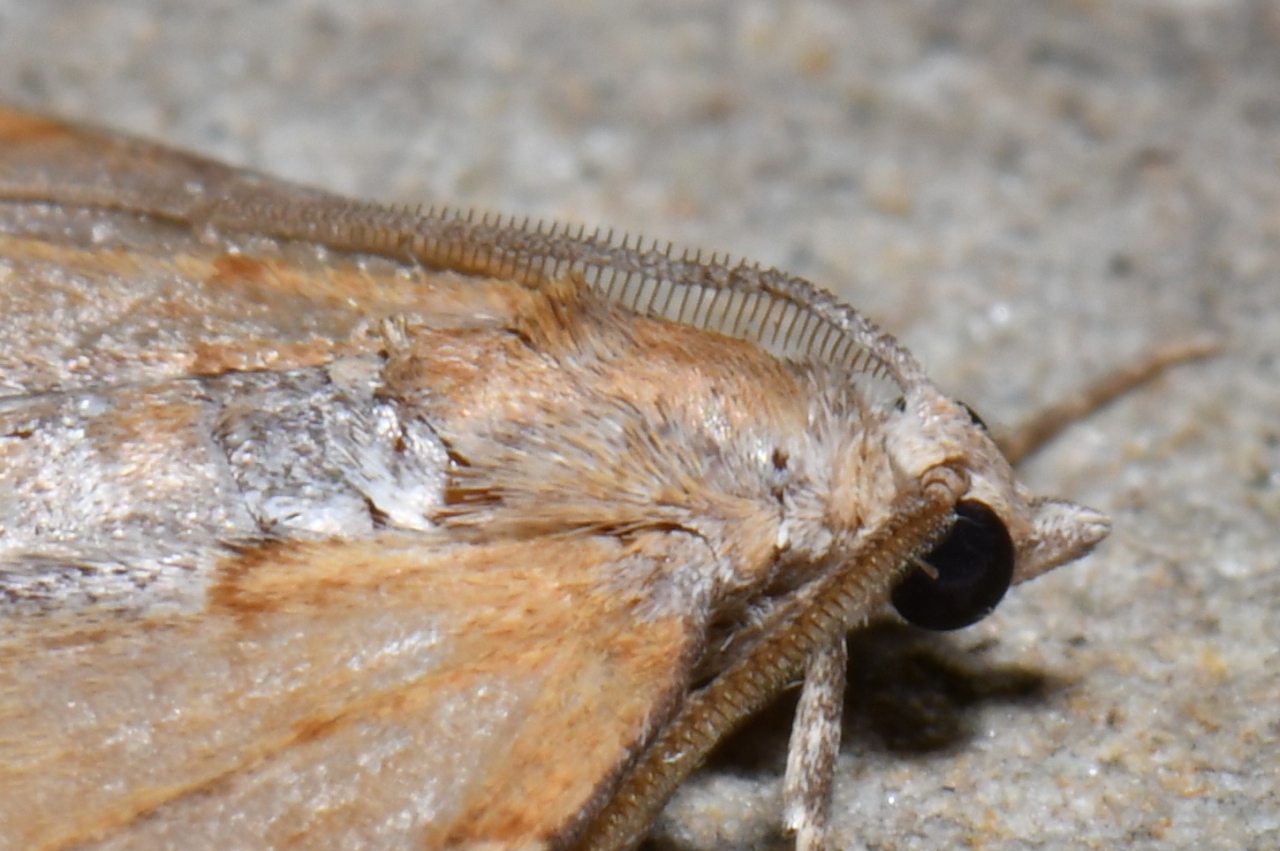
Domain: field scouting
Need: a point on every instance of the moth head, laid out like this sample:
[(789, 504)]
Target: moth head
[(1000, 533)]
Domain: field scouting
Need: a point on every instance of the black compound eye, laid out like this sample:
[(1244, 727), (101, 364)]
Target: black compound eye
[(974, 565)]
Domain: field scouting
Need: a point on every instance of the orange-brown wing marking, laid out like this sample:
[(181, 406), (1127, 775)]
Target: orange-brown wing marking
[(384, 694)]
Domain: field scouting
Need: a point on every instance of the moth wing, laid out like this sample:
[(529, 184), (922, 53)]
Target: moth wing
[(385, 694), (116, 274), (42, 158)]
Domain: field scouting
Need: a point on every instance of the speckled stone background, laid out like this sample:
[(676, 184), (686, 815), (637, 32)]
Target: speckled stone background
[(1030, 193)]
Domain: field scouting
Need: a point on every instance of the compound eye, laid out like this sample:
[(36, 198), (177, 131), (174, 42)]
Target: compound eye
[(973, 566)]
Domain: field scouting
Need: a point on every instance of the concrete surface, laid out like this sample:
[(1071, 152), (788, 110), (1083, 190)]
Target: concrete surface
[(1030, 193)]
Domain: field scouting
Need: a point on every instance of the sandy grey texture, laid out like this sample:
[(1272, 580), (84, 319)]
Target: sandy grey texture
[(1030, 193)]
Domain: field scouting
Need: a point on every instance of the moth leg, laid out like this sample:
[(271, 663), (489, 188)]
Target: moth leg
[(815, 741), (1044, 426)]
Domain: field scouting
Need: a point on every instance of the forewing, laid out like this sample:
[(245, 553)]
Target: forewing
[(384, 694), (111, 275)]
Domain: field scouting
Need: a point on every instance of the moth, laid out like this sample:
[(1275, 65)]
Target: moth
[(334, 525)]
